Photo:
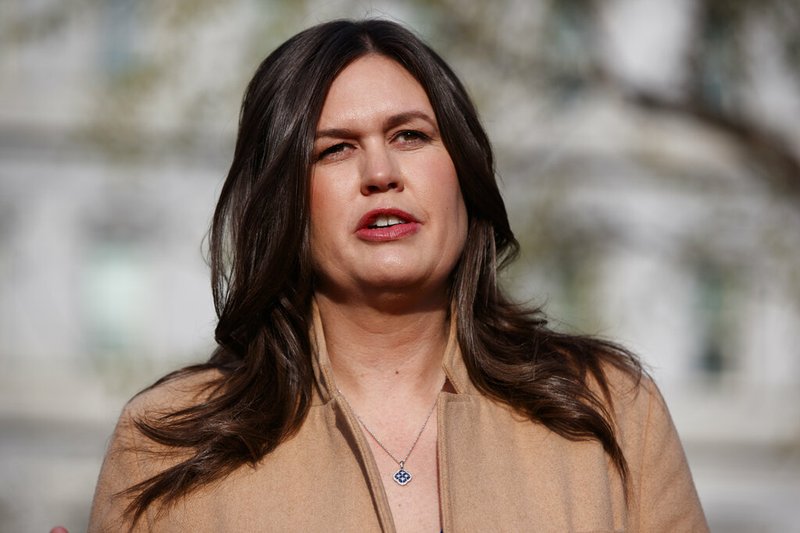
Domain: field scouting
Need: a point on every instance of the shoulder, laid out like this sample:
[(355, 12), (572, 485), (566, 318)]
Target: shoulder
[(635, 404), (664, 495), (131, 457), (634, 398), (629, 387), (641, 420), (174, 392), (171, 395)]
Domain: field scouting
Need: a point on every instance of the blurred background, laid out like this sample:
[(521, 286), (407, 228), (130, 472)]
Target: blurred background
[(649, 153)]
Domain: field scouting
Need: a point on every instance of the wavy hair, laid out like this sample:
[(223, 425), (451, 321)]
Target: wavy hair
[(262, 278)]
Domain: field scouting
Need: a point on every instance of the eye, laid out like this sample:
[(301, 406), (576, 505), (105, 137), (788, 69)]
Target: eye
[(411, 137), (334, 152)]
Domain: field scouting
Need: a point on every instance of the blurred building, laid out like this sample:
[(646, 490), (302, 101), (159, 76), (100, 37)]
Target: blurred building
[(649, 183)]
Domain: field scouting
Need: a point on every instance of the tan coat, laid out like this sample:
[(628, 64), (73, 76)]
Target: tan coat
[(498, 471)]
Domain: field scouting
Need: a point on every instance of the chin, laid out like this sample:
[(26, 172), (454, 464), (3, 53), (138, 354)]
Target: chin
[(389, 283), (405, 287), (400, 274)]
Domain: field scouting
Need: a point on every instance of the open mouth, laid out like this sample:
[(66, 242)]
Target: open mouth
[(385, 218), (386, 221), (387, 225)]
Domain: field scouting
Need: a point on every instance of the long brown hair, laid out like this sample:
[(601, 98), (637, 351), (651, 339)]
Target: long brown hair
[(263, 282)]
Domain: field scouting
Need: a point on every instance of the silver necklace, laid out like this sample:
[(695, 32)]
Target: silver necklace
[(402, 477)]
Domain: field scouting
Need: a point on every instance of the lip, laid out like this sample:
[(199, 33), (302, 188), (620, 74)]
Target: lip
[(409, 227)]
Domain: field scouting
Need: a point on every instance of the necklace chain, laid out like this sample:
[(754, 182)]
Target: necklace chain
[(402, 476)]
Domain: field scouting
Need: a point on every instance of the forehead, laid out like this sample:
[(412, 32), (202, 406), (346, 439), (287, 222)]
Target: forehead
[(371, 87)]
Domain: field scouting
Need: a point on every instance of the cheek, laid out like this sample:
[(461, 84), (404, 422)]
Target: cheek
[(326, 194), (320, 206), (330, 195), (462, 224), (452, 202), (318, 192), (455, 205), (331, 190)]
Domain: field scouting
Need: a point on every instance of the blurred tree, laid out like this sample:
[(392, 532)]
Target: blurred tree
[(553, 45), (162, 86)]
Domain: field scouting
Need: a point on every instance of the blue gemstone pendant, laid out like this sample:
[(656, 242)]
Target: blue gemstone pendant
[(402, 477)]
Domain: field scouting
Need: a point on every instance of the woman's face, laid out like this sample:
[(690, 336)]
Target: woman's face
[(387, 215)]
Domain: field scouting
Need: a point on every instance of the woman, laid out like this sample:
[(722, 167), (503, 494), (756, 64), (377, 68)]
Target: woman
[(370, 374)]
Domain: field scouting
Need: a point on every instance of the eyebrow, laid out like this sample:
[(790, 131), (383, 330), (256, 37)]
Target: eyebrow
[(391, 122)]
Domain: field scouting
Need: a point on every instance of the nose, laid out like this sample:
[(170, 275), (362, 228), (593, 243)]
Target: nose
[(380, 172)]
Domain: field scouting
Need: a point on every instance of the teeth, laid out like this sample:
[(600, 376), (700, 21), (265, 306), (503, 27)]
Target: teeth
[(384, 221)]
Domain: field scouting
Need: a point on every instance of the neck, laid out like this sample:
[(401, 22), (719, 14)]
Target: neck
[(385, 353)]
